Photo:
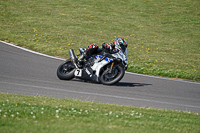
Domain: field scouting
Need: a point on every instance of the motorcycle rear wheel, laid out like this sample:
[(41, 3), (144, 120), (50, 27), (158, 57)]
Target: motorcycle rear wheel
[(66, 70), (107, 78)]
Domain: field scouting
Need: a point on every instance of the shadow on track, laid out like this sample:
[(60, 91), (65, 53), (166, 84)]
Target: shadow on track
[(122, 84), (127, 84)]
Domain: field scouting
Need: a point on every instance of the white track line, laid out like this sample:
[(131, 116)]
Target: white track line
[(186, 81), (31, 51)]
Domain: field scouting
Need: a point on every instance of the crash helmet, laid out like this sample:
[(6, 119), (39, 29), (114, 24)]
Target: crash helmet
[(121, 43)]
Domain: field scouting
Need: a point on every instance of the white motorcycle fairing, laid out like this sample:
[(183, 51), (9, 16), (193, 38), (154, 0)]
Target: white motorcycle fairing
[(92, 72)]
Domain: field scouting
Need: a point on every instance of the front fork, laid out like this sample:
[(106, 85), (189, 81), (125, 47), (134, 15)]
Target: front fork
[(110, 70)]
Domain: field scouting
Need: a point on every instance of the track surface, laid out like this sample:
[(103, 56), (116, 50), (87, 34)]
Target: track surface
[(23, 72)]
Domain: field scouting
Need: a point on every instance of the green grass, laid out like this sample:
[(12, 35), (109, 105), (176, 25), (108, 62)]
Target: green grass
[(20, 113), (163, 35)]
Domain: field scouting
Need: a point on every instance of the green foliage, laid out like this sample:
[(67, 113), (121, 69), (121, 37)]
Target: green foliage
[(163, 35), (43, 114)]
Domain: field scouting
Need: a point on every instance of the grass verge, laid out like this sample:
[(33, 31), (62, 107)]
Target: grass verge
[(163, 36), (20, 113)]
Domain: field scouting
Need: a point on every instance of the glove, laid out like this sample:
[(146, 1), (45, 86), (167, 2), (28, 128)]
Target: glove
[(108, 46)]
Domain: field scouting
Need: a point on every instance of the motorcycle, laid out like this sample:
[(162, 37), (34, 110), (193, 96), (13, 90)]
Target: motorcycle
[(105, 67)]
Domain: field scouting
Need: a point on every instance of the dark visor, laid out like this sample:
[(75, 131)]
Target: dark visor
[(123, 48)]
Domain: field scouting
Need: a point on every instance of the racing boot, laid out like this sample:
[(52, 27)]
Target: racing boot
[(81, 58)]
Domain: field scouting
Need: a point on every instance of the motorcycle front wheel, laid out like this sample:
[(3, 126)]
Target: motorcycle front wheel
[(110, 77), (66, 70)]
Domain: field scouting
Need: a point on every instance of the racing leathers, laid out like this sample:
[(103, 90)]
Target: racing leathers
[(94, 49)]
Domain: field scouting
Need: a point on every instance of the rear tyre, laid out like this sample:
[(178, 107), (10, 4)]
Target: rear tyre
[(112, 77), (66, 70)]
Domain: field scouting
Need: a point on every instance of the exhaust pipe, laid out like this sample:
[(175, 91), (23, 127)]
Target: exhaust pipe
[(73, 57)]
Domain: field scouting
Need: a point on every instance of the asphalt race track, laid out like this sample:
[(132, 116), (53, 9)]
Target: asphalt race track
[(28, 73)]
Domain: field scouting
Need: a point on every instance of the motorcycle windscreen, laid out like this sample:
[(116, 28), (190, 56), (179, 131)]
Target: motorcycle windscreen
[(125, 52)]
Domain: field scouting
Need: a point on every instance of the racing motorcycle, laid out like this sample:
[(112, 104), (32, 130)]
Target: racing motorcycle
[(105, 67)]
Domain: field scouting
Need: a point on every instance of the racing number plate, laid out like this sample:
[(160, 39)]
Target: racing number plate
[(78, 73)]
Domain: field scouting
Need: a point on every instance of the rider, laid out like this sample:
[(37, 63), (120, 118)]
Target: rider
[(111, 47)]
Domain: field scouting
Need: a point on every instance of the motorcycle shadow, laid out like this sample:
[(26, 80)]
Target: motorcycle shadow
[(127, 84), (122, 84)]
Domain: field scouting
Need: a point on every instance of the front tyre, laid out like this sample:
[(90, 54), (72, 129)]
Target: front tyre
[(66, 70), (110, 77)]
